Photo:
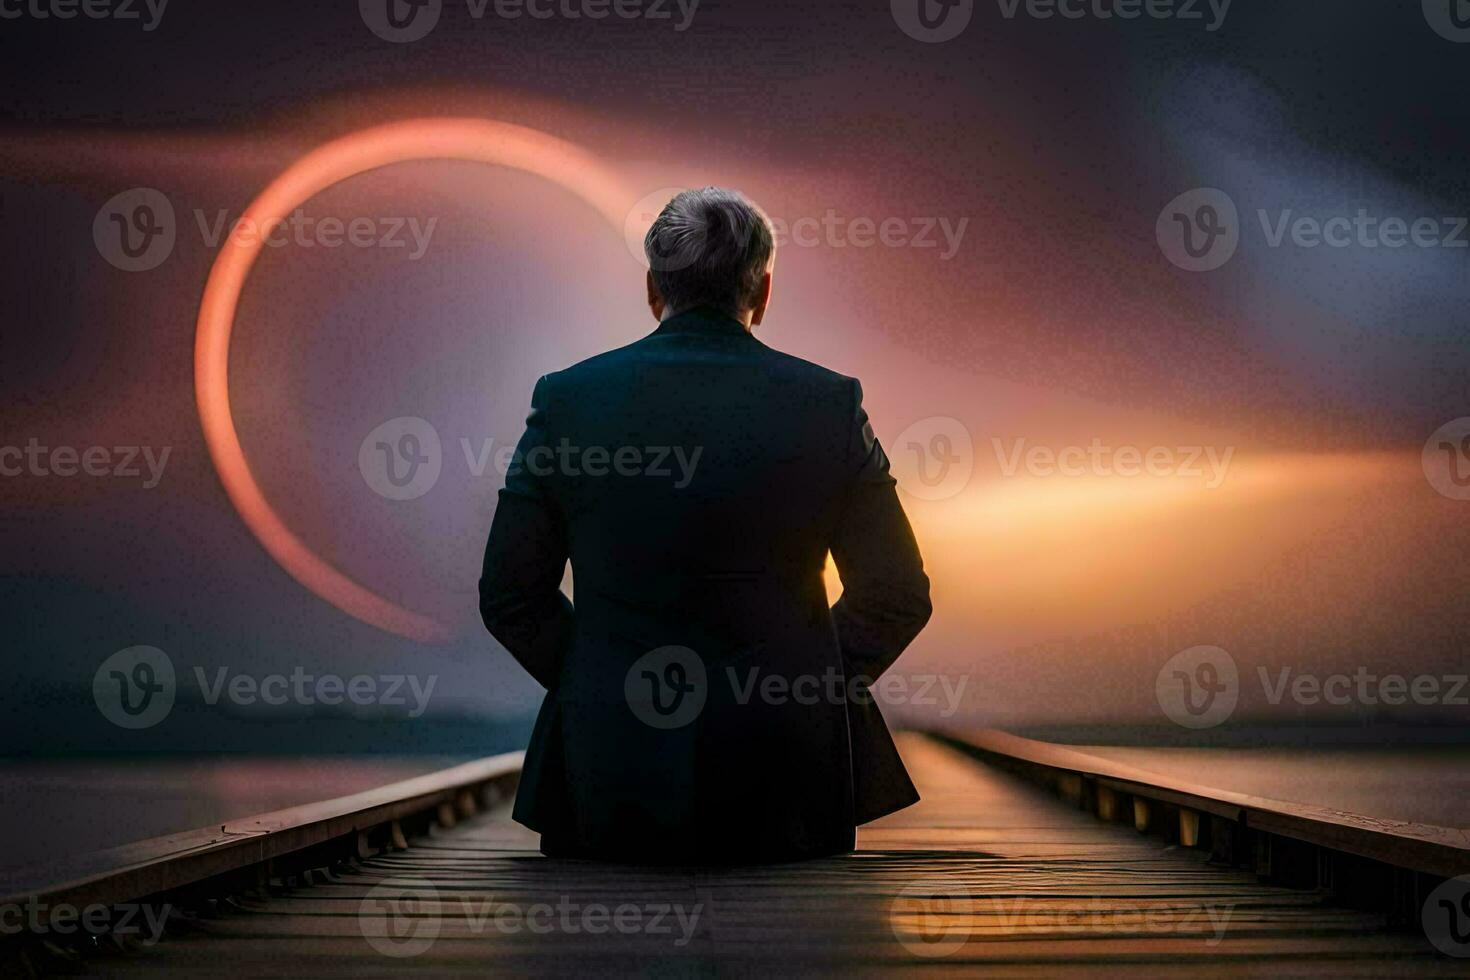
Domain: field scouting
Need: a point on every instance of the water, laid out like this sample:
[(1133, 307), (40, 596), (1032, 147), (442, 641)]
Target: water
[(73, 806)]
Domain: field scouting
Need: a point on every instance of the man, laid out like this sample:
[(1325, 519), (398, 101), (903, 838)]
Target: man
[(703, 702)]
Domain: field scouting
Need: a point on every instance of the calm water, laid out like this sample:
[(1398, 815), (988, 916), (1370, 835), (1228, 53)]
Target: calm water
[(52, 806)]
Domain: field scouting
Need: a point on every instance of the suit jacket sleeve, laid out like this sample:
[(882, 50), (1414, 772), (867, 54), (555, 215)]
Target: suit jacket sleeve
[(885, 593), (521, 600)]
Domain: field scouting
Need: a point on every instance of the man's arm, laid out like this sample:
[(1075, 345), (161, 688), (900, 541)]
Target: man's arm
[(521, 600), (885, 593)]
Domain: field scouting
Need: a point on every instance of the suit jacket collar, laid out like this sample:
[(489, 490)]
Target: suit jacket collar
[(702, 320)]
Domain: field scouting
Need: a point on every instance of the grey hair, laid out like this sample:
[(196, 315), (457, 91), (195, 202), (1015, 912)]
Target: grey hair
[(709, 247)]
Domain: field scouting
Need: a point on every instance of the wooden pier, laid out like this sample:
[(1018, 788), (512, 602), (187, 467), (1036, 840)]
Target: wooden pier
[(990, 873)]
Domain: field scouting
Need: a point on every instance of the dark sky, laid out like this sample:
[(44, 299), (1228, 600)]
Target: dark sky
[(1052, 133)]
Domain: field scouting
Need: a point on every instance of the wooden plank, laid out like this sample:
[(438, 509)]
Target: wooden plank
[(986, 873)]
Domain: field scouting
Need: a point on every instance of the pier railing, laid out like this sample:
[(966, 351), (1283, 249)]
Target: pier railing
[(1362, 861), (245, 854)]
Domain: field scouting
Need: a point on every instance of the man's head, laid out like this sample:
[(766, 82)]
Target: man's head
[(710, 247)]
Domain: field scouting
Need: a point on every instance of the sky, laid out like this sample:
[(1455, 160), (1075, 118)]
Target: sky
[(1111, 455)]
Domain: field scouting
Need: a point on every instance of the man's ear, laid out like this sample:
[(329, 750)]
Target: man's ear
[(765, 299), (655, 299)]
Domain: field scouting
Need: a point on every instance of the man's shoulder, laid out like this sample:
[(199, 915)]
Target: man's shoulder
[(808, 370), (774, 364)]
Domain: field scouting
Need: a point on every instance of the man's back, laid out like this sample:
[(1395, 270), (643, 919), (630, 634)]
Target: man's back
[(703, 703)]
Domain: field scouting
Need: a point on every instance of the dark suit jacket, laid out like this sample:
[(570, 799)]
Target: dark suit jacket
[(703, 701)]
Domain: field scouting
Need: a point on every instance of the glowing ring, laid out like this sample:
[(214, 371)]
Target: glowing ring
[(481, 140)]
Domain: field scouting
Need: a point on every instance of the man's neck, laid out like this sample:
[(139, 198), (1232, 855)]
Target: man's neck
[(744, 317)]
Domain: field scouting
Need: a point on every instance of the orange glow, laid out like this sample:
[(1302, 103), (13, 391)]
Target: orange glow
[(479, 140), (1065, 555)]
